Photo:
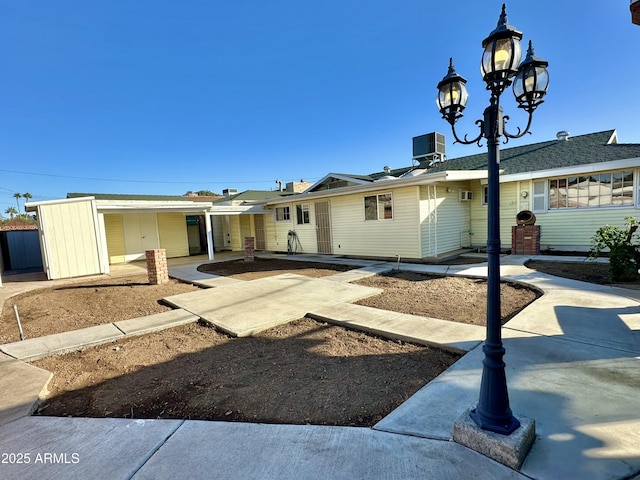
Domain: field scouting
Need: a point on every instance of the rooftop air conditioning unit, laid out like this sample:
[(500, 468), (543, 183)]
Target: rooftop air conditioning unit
[(431, 145), (466, 196)]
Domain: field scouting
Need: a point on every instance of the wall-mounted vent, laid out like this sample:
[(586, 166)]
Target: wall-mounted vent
[(429, 145), (466, 196)]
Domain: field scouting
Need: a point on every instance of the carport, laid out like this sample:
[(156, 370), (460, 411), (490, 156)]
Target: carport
[(84, 234)]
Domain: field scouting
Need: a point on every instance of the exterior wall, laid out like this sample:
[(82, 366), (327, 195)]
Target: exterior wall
[(352, 235), (510, 205), (276, 232), (234, 236), (69, 239), (218, 237), (172, 233), (246, 228), (573, 229), (306, 232), (115, 238), (444, 218), (562, 229)]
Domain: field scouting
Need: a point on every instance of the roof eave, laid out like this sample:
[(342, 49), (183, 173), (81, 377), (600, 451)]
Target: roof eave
[(424, 179), (572, 170)]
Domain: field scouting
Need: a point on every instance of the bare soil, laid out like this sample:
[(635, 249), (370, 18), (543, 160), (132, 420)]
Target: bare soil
[(299, 373), (262, 267), (303, 372), (586, 272), (60, 309), (456, 299)]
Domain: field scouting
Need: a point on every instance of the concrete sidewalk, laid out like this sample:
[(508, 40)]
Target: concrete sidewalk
[(572, 362)]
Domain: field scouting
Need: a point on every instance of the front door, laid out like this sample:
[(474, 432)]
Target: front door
[(323, 227), (261, 235)]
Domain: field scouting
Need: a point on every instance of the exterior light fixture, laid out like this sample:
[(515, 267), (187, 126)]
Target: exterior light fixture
[(531, 82), (500, 67)]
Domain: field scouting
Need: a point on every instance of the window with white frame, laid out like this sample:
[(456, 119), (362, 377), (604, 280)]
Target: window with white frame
[(283, 214), (539, 196), (608, 189), (378, 207), (302, 213)]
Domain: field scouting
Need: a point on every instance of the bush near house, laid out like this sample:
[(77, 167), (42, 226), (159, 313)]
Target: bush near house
[(624, 254)]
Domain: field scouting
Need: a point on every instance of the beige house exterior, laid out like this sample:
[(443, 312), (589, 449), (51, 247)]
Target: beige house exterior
[(574, 185)]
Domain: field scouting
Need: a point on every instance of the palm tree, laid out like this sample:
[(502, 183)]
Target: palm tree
[(27, 196), (11, 211), (17, 196)]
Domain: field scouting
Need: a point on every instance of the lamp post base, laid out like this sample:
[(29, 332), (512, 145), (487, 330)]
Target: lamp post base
[(510, 450)]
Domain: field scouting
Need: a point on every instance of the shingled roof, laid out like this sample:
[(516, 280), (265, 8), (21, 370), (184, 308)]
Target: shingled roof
[(578, 150)]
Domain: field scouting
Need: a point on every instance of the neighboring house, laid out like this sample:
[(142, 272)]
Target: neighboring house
[(574, 185)]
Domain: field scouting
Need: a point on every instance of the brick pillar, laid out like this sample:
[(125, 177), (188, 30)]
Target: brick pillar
[(157, 266), (249, 250), (525, 240)]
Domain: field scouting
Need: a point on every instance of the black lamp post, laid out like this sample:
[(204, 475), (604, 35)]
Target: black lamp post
[(530, 80)]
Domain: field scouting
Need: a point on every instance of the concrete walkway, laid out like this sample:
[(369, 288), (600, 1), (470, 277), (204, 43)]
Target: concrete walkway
[(572, 363)]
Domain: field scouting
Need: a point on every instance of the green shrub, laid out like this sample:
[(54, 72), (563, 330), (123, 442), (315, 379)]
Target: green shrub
[(624, 254)]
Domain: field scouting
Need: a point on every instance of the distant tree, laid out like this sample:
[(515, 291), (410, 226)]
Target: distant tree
[(205, 193), (17, 196), (12, 212), (27, 196)]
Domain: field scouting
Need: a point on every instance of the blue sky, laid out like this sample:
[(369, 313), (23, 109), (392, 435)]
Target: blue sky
[(162, 97)]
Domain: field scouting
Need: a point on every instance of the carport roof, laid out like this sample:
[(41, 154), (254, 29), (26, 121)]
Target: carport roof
[(126, 196)]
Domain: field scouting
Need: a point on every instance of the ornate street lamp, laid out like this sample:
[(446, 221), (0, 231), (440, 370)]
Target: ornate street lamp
[(500, 68)]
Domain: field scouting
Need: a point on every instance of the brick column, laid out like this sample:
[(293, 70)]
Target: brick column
[(157, 266), (525, 240), (249, 250)]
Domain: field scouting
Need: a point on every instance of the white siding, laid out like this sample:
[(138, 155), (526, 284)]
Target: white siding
[(572, 229), (352, 235), (69, 239), (444, 219)]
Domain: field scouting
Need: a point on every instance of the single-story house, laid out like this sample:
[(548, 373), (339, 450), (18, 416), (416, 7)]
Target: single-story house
[(573, 185)]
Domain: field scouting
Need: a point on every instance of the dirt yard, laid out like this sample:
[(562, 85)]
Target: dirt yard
[(456, 299), (44, 312), (303, 372)]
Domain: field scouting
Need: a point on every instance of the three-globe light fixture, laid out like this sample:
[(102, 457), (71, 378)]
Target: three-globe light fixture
[(500, 68)]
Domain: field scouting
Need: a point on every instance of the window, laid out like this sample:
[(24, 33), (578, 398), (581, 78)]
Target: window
[(539, 196), (283, 214), (485, 195), (378, 207), (610, 189), (302, 213)]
